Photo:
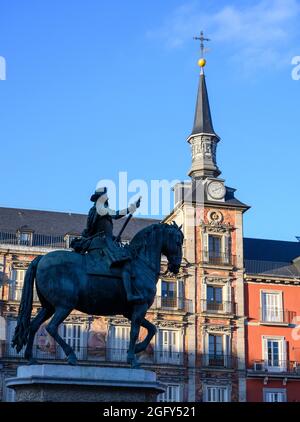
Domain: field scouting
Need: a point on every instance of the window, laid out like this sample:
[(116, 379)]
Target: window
[(272, 395), (214, 298), (15, 290), (73, 335), (69, 238), (10, 395), (216, 394), (24, 238), (214, 246), (119, 342), (169, 293), (11, 326), (216, 354), (172, 394), (272, 307), (168, 347), (274, 354)]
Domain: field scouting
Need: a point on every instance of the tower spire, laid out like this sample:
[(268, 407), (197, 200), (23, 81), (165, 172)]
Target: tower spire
[(203, 138)]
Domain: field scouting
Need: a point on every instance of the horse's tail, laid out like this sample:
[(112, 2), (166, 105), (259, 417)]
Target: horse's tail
[(22, 329)]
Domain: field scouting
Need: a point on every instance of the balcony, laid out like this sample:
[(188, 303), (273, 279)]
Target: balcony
[(96, 356), (34, 240), (223, 308), (275, 368), (172, 304), (218, 361), (275, 316), (218, 258)]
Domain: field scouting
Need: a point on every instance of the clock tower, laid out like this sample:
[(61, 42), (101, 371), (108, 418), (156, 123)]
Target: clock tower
[(212, 223)]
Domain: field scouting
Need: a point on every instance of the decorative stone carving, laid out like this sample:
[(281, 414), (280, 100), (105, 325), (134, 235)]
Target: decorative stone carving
[(217, 328), (119, 321), (216, 280), (169, 324), (215, 217)]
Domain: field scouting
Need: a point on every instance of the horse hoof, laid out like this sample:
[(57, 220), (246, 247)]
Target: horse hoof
[(133, 362), (72, 360)]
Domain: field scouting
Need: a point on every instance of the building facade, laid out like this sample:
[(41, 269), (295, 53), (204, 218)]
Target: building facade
[(226, 323)]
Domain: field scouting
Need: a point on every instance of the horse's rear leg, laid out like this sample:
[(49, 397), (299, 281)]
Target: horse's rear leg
[(59, 316), (140, 347), (35, 324), (137, 317)]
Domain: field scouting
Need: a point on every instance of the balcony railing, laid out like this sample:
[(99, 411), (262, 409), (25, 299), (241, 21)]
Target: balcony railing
[(218, 308), (35, 239), (172, 304), (96, 355), (218, 361), (275, 315), (15, 294), (262, 367), (218, 258)]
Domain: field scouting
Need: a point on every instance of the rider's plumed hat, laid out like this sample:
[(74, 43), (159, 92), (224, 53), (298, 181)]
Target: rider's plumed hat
[(98, 192)]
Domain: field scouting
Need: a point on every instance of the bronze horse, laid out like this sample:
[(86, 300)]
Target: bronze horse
[(63, 285)]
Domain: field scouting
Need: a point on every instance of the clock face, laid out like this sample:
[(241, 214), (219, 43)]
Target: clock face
[(216, 190)]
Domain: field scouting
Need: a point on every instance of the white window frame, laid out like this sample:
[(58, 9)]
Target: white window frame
[(172, 394), (272, 391), (118, 340), (10, 329), (282, 355), (66, 330), (226, 346), (179, 293), (166, 350), (225, 388), (15, 289), (227, 297), (271, 314)]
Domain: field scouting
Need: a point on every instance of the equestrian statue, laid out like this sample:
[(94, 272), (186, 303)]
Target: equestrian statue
[(100, 276)]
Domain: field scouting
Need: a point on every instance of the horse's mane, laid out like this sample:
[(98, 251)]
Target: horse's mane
[(139, 238)]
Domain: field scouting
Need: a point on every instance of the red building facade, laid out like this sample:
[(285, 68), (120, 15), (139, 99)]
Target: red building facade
[(272, 302)]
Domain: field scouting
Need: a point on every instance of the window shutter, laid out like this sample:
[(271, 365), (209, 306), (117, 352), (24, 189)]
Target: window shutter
[(265, 351), (283, 356), (227, 352), (227, 248), (206, 348), (158, 293), (228, 297), (205, 253), (180, 293), (2, 329)]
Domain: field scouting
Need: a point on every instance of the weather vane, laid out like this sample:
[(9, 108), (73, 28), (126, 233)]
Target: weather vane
[(202, 61)]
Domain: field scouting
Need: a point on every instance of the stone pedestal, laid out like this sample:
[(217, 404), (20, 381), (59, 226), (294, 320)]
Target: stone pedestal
[(64, 383)]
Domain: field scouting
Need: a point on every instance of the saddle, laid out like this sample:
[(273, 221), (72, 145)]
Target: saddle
[(101, 255), (97, 264)]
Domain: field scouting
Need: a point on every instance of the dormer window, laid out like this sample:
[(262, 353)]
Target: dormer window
[(68, 239), (24, 237)]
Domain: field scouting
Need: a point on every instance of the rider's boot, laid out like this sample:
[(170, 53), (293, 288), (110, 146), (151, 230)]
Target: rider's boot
[(131, 297)]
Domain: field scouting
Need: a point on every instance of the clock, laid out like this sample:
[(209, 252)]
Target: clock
[(216, 190)]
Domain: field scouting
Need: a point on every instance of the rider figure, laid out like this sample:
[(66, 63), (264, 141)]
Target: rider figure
[(100, 220)]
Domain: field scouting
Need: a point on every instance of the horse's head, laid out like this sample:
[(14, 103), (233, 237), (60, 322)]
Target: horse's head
[(172, 246)]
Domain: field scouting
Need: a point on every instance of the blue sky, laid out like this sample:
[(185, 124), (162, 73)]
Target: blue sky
[(97, 87)]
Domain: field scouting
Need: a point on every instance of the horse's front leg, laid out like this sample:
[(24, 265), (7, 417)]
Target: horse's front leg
[(138, 314)]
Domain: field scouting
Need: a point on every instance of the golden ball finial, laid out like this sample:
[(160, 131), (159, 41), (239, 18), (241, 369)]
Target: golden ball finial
[(201, 62)]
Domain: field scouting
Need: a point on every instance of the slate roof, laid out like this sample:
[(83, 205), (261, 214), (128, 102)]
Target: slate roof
[(202, 121), (51, 223), (271, 257), (261, 256)]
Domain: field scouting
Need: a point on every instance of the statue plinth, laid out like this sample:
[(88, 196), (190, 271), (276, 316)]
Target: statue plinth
[(65, 383)]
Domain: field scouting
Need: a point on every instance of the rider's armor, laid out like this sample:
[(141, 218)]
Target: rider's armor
[(98, 237)]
